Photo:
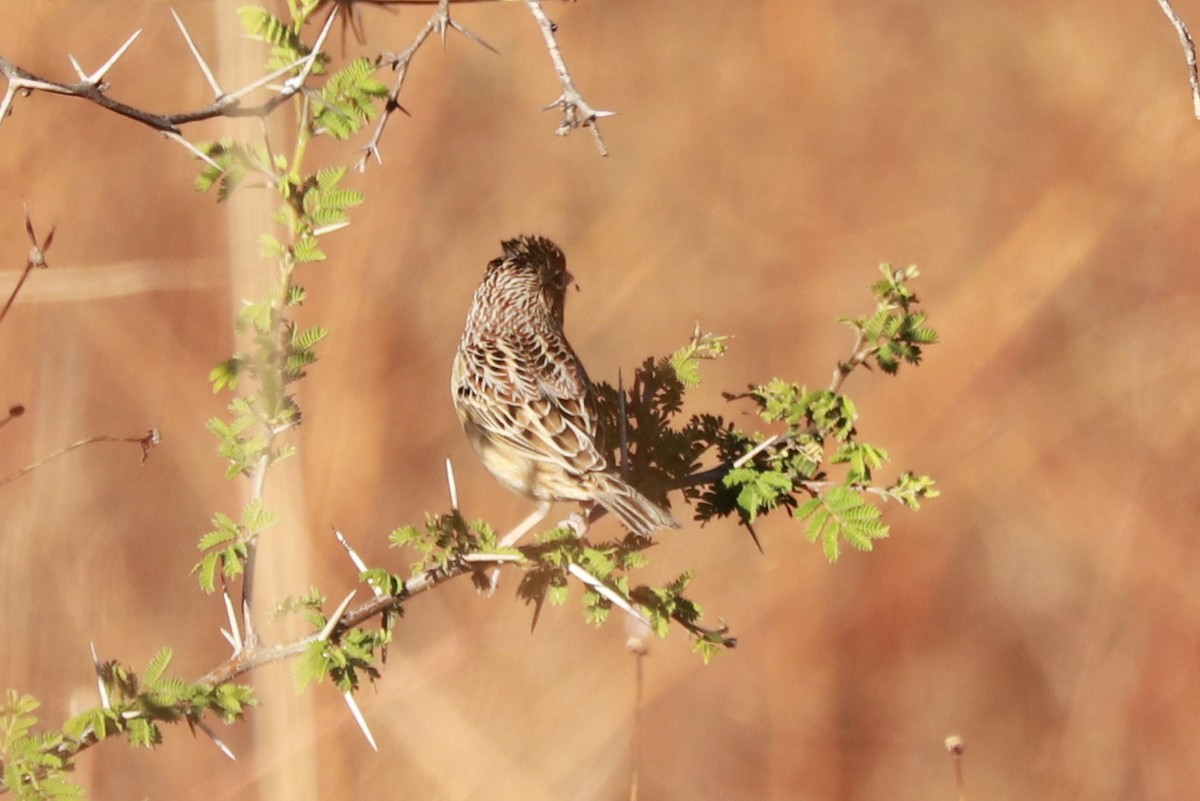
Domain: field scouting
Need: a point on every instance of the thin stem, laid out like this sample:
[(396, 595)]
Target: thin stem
[(147, 442), (13, 297)]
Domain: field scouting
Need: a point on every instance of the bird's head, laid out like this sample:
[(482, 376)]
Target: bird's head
[(532, 275)]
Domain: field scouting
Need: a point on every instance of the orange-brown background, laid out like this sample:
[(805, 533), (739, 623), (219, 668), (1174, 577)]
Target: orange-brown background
[(1038, 161)]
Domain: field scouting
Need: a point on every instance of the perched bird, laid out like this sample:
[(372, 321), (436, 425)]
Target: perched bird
[(523, 396)]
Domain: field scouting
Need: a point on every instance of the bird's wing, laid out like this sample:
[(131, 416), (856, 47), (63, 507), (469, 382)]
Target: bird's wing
[(531, 393)]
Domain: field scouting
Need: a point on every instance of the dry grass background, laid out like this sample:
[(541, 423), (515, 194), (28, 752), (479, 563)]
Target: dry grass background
[(1037, 160)]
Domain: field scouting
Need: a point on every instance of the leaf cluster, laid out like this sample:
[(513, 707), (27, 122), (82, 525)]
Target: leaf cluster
[(608, 567), (34, 764), (344, 658), (225, 546)]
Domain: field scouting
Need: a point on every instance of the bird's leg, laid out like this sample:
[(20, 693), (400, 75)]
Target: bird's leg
[(511, 538), (578, 521), (522, 528)]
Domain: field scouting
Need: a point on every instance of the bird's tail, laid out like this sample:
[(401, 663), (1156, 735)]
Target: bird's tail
[(636, 512)]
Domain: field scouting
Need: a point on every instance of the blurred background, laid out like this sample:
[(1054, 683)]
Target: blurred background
[(1038, 161)]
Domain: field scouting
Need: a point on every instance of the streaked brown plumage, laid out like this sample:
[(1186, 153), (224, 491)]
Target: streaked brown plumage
[(523, 396)]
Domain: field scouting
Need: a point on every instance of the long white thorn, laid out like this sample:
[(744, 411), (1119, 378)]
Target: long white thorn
[(234, 635), (264, 80), (78, 69), (197, 152), (756, 450), (452, 484), (104, 699), (336, 616), (603, 589), (357, 560), (294, 83), (487, 558), (348, 697), (208, 74), (217, 741), (96, 77)]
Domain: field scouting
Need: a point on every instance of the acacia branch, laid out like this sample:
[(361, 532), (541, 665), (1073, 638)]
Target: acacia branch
[(576, 113), (92, 88), (439, 22)]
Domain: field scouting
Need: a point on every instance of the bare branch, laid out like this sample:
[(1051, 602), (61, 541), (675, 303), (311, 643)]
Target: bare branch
[(1189, 52), (437, 23), (225, 105), (576, 112)]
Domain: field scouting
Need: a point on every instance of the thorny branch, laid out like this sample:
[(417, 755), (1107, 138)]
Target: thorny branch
[(35, 259), (93, 88), (576, 113), (439, 22)]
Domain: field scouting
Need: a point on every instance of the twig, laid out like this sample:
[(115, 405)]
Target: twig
[(35, 259), (576, 112), (398, 62), (147, 442), (1189, 52), (438, 22)]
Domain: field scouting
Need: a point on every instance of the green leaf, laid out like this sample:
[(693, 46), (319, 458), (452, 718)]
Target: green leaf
[(305, 340), (329, 177), (556, 595), (143, 733), (256, 519), (760, 490), (157, 667), (266, 27), (206, 571), (841, 514), (307, 250), (225, 374), (312, 667)]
